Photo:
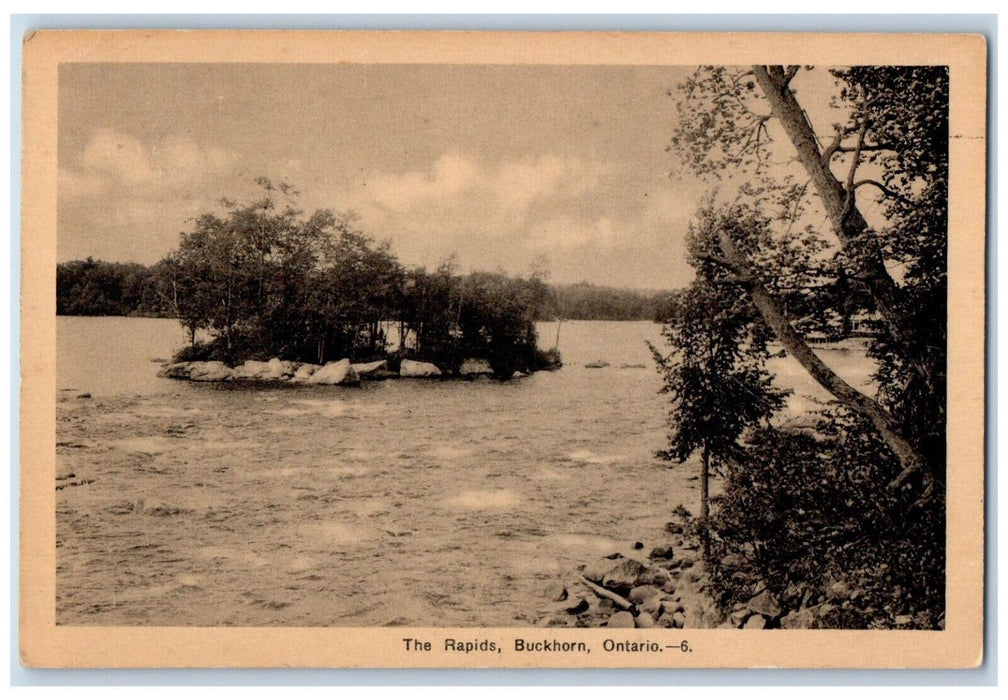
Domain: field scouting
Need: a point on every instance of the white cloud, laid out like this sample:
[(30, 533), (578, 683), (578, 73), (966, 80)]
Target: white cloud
[(450, 176), (118, 156), (498, 194), (113, 159)]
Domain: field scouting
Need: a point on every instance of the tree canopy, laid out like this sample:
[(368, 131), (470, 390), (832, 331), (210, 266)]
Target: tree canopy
[(843, 175)]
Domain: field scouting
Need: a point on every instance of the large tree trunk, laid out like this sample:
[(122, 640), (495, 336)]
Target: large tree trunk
[(910, 460), (846, 220)]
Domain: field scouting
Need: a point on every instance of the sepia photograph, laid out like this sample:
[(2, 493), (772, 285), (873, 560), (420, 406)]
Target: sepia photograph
[(637, 348)]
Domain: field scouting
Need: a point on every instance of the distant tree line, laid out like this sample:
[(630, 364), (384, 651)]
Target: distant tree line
[(590, 302), (98, 288)]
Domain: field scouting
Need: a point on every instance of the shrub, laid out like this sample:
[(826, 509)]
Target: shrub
[(805, 518)]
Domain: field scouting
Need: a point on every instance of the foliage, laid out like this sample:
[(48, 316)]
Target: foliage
[(859, 502), (579, 302), (97, 288), (715, 376), (263, 280), (591, 302), (804, 518)]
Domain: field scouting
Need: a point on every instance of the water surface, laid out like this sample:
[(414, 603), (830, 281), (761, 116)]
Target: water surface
[(423, 503)]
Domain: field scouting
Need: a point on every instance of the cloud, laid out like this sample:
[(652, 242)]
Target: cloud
[(117, 156), (565, 233), (112, 160), (497, 192), (451, 175)]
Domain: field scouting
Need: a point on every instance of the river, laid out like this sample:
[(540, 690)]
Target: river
[(421, 503)]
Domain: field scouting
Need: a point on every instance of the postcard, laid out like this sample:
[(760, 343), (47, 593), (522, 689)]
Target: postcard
[(502, 349)]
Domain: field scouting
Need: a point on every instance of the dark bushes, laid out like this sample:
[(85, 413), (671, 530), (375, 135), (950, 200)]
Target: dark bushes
[(805, 519)]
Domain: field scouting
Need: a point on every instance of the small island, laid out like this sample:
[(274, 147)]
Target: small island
[(268, 294)]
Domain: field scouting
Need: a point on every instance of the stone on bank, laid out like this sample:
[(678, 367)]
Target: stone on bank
[(414, 368), (340, 372)]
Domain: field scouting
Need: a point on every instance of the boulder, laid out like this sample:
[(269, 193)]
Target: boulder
[(641, 593), (678, 620), (799, 619), (657, 576), (178, 370), (673, 606), (279, 369), (597, 571), (674, 527), (475, 367), (213, 371), (556, 592), (627, 574), (838, 590), (274, 370), (369, 369), (666, 620), (304, 372), (662, 553), (250, 369), (580, 607), (653, 606), (645, 621), (413, 368), (765, 604), (737, 618), (334, 373), (755, 622), (622, 619)]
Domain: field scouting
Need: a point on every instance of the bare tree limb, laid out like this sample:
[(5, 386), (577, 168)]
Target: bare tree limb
[(601, 592), (887, 191), (855, 162), (832, 149)]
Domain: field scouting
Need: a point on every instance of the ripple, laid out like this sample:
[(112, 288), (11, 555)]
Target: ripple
[(484, 499)]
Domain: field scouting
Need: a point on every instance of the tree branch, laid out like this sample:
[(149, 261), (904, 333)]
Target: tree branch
[(885, 190), (832, 149), (855, 162), (847, 222), (863, 405)]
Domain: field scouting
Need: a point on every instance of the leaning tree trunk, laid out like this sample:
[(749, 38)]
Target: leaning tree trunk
[(911, 461), (846, 220)]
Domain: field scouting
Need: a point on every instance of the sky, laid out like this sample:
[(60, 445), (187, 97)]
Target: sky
[(511, 168)]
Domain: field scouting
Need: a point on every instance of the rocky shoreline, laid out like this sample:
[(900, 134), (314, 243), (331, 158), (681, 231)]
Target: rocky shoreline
[(664, 588), (339, 373), (668, 587)]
